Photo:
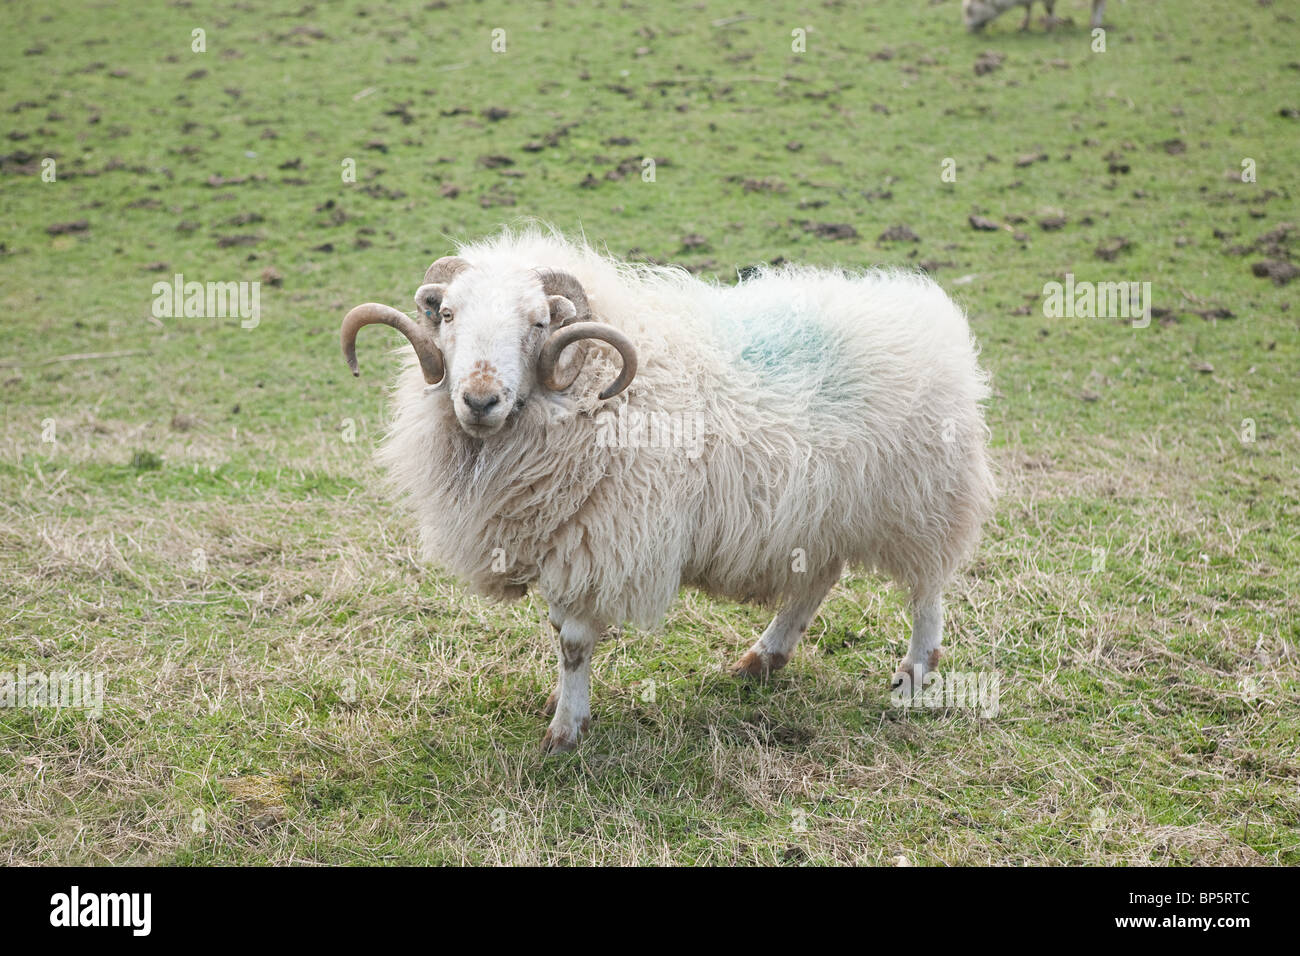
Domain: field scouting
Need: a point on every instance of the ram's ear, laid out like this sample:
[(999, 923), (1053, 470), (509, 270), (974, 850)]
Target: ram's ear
[(563, 311), (428, 299)]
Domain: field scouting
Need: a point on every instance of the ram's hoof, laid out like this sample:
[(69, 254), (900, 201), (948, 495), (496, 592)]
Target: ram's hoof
[(758, 664), (911, 674), (904, 682), (558, 741), (553, 743)]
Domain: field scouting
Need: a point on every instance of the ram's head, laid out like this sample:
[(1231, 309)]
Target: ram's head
[(491, 337)]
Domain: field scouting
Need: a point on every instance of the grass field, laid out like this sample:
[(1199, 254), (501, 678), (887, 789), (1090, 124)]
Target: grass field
[(189, 507)]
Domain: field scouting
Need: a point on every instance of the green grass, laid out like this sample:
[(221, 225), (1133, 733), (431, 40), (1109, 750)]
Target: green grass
[(286, 683)]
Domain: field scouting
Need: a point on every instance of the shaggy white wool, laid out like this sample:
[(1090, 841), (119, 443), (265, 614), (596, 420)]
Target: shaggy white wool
[(841, 425)]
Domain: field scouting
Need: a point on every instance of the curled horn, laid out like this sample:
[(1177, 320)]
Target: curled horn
[(420, 338), (555, 282), (563, 338), (426, 350)]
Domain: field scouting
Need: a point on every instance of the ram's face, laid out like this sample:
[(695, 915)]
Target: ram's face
[(492, 337), (491, 326), (976, 13)]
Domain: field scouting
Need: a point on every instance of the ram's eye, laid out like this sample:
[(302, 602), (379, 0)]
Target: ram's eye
[(445, 314), (539, 325)]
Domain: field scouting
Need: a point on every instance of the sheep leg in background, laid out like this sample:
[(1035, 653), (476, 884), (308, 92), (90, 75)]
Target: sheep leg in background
[(1029, 12), (772, 651), (924, 651), (1051, 20), (577, 640), (1098, 11)]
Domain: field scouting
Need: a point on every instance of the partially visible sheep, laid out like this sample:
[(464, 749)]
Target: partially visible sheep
[(834, 420), (976, 13)]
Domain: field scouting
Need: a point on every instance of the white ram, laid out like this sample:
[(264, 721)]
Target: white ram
[(609, 433)]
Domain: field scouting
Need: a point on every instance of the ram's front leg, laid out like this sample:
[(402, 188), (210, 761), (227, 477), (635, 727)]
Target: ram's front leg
[(577, 641), (557, 622)]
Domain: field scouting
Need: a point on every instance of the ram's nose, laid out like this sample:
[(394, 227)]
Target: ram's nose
[(481, 404)]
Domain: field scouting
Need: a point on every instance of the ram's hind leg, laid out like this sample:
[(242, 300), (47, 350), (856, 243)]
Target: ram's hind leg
[(924, 650), (772, 651)]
